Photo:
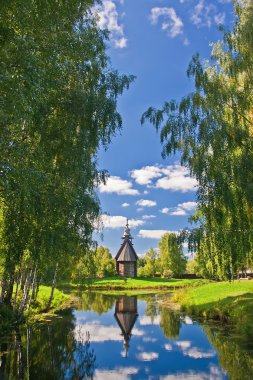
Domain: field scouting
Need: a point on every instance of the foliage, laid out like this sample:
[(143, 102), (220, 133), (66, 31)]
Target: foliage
[(212, 128), (150, 264), (172, 259), (58, 107), (93, 263)]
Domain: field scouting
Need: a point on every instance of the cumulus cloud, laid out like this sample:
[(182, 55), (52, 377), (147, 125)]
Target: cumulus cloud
[(173, 177), (145, 175), (108, 18), (125, 204), (145, 203), (177, 178), (119, 186), (171, 22), (153, 234), (181, 209), (147, 356), (204, 14), (118, 221)]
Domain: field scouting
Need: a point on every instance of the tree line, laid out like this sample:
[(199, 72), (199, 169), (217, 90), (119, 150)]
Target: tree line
[(212, 129), (168, 261), (58, 107)]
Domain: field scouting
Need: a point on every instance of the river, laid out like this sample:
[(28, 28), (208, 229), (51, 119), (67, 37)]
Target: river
[(123, 338)]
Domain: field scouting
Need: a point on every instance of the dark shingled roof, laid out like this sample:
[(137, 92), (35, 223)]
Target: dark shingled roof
[(126, 252)]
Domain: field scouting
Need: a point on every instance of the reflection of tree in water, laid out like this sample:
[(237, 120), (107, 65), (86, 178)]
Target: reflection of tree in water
[(170, 323), (97, 302), (232, 358), (48, 351), (152, 308), (126, 315), (169, 319)]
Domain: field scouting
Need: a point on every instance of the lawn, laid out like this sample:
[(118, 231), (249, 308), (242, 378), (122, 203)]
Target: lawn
[(119, 283), (226, 301)]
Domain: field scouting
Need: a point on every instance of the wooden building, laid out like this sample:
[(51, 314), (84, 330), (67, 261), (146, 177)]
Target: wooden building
[(126, 315), (126, 258)]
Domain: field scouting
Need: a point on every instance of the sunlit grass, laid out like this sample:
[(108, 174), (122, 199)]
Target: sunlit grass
[(118, 283), (220, 300)]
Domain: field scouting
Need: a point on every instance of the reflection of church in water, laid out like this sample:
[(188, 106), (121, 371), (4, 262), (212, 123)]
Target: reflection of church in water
[(126, 315)]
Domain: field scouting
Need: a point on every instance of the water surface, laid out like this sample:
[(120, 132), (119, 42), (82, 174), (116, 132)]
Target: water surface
[(122, 338)]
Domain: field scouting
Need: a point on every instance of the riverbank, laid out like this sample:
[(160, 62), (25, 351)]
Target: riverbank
[(230, 302), (9, 319), (140, 283)]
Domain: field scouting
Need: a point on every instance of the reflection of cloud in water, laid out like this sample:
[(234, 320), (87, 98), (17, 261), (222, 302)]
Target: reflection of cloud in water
[(194, 352), (188, 321), (183, 344), (145, 320), (214, 374), (101, 333), (117, 374), (168, 347), (148, 356), (147, 339)]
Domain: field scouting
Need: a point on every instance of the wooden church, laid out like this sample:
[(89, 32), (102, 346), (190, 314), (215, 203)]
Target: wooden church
[(126, 258), (126, 315)]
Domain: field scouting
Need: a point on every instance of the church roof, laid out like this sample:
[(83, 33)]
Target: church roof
[(126, 252)]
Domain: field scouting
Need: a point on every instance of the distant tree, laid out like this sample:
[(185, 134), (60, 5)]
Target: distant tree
[(150, 266), (172, 259)]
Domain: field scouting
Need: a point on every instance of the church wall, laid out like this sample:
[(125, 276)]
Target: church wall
[(127, 269)]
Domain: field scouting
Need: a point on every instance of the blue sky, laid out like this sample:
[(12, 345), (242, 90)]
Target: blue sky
[(154, 40)]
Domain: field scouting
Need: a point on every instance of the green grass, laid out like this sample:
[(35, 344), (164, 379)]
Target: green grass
[(58, 302), (119, 283), (223, 301)]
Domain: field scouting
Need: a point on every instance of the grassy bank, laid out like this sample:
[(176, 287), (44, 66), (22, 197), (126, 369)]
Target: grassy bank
[(225, 301), (119, 283)]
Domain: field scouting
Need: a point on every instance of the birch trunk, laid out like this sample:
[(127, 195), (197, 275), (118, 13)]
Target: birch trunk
[(33, 287), (26, 292)]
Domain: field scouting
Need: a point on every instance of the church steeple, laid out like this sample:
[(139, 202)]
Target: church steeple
[(127, 234)]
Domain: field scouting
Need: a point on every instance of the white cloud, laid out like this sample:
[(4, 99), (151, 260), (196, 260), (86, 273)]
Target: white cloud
[(171, 23), (108, 18), (120, 373), (204, 14), (119, 186), (118, 221), (125, 204), (177, 179), (146, 203), (147, 356), (153, 234), (181, 209), (145, 175), (173, 177), (145, 217)]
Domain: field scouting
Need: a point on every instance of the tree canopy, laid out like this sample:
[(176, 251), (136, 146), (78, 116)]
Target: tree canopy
[(58, 106), (212, 128)]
